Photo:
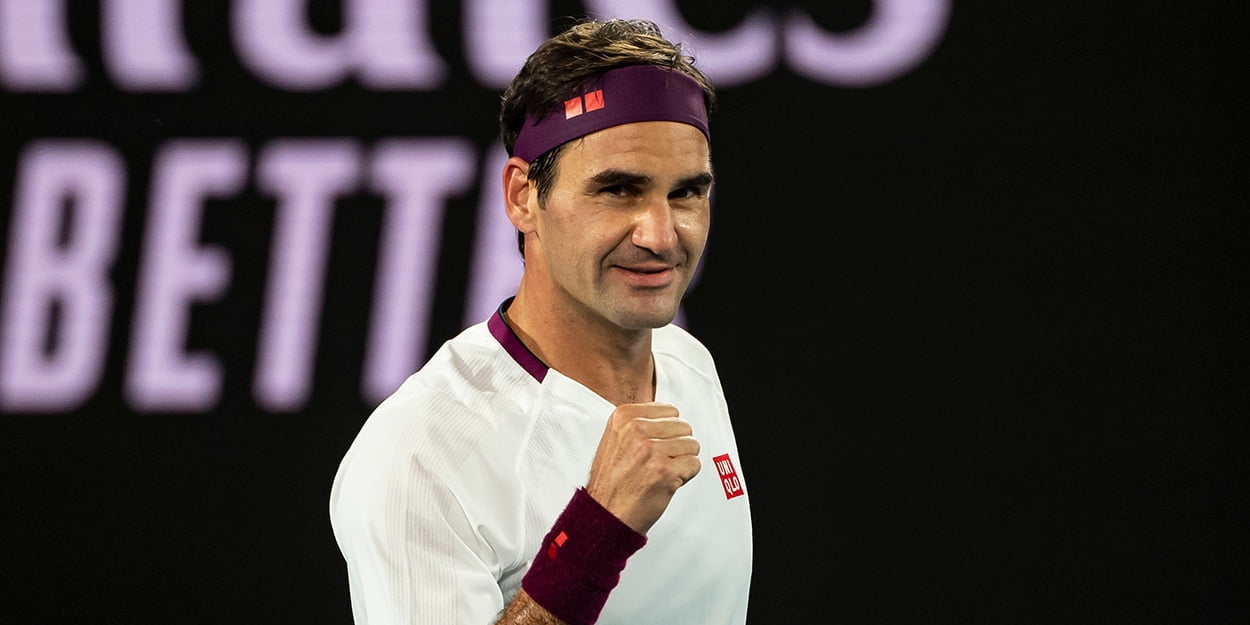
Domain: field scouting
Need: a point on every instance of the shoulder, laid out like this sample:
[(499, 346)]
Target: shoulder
[(467, 404), (441, 413)]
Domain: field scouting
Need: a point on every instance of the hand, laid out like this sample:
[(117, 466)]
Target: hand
[(647, 452)]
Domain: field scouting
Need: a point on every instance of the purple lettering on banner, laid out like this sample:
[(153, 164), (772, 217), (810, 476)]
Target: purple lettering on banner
[(899, 35), (385, 43), (143, 45), (306, 176), (42, 272), (416, 176), (58, 294), (388, 44), (175, 272), (35, 54), (744, 54), (499, 35)]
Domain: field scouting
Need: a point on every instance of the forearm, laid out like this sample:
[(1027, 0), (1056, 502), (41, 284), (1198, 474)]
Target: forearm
[(570, 578), (523, 610)]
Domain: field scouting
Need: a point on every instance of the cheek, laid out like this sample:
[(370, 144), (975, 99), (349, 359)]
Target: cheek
[(579, 241), (693, 229)]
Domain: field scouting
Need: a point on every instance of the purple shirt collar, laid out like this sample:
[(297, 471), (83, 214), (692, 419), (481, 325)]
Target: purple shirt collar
[(512, 344)]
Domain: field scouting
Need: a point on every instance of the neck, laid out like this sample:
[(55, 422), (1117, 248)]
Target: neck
[(613, 362)]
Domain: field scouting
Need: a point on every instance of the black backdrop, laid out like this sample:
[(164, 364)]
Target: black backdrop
[(976, 324)]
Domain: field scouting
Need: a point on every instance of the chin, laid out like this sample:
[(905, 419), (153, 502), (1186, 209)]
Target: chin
[(640, 311), (642, 320)]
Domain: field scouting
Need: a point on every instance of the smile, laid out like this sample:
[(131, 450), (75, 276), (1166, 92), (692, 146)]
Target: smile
[(647, 277)]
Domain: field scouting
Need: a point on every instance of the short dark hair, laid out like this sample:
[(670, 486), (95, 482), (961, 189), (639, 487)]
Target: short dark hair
[(569, 60)]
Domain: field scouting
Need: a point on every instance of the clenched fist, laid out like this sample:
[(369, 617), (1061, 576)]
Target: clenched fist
[(647, 452)]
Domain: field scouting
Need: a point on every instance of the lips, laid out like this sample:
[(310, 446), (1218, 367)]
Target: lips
[(647, 268), (647, 276)]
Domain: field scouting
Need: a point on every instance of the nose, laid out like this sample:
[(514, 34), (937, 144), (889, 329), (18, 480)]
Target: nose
[(655, 228)]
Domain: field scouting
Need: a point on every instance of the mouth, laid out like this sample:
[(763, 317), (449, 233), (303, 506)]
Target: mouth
[(647, 276)]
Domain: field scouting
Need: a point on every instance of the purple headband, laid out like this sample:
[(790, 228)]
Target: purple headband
[(638, 93)]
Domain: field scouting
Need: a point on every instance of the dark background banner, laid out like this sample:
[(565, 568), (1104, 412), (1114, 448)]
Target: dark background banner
[(969, 289)]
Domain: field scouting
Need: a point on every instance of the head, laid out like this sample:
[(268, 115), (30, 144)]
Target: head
[(565, 62), (620, 209)]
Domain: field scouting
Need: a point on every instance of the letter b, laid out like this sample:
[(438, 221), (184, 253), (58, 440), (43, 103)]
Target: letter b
[(62, 240)]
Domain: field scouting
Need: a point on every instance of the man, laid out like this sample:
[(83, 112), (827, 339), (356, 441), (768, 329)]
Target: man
[(543, 466)]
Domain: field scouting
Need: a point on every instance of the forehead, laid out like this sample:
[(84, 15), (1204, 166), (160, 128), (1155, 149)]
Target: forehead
[(658, 148)]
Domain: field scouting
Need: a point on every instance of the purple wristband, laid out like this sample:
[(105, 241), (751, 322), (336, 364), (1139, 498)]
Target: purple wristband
[(580, 561)]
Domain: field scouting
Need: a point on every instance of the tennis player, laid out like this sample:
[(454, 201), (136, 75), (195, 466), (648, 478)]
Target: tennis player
[(570, 459)]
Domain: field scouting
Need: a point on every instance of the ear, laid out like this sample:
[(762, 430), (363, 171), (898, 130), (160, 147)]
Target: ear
[(518, 191)]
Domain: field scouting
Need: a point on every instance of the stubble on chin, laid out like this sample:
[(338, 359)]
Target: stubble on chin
[(639, 314)]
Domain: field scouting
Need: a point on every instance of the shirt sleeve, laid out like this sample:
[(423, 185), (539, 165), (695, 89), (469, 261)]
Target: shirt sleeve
[(412, 555)]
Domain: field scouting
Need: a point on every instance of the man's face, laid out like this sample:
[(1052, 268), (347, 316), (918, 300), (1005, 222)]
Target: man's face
[(626, 220)]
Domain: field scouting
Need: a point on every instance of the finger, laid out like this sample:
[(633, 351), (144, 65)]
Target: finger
[(676, 472), (674, 447), (650, 410), (686, 468), (668, 427)]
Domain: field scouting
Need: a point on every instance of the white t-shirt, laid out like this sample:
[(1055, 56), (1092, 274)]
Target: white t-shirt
[(442, 500)]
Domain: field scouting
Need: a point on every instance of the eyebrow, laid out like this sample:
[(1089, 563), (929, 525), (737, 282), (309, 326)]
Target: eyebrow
[(702, 179), (612, 177)]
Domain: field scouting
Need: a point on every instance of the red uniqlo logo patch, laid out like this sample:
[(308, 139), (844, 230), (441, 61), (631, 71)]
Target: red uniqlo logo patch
[(728, 476), (594, 100)]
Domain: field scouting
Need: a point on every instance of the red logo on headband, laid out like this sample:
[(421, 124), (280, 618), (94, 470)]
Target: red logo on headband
[(593, 102)]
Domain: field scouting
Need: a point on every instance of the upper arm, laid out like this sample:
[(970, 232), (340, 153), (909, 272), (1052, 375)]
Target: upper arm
[(412, 555)]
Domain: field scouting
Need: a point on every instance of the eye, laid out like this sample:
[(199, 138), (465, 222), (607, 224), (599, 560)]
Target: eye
[(687, 193), (619, 190)]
